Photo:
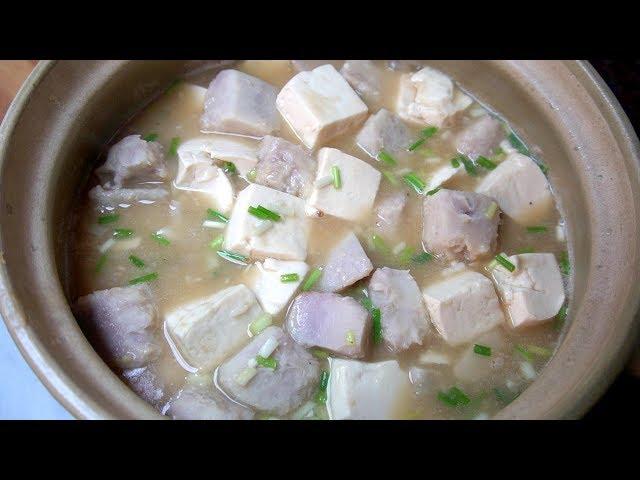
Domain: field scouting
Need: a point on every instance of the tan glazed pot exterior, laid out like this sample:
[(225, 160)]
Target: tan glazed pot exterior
[(68, 110)]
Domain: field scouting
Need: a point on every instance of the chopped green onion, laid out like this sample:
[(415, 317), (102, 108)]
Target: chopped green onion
[(233, 257), (482, 350), (367, 303), (161, 239), (376, 318), (260, 323), (455, 163), (108, 218), (321, 354), (136, 261), (565, 266), (539, 351), (415, 182), (379, 244), (252, 174), (560, 317), (312, 278), (387, 158), (491, 210), (245, 376), (393, 180), (321, 396), (143, 279), (230, 168), (101, 261), (215, 215), (173, 147), (406, 254), (498, 151), (434, 191), (120, 233), (504, 397), (350, 338), (217, 242), (324, 380), (269, 362), (454, 397), (337, 178), (504, 262), (537, 229), (469, 166), (526, 250), (423, 257), (518, 144), (416, 144), (484, 162), (524, 353), (151, 137), (264, 213), (544, 168), (289, 277), (429, 132)]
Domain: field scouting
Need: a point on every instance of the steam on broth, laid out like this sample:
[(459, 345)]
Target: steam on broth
[(315, 240)]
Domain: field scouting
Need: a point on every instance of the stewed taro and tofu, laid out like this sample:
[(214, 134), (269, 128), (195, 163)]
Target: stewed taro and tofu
[(321, 240)]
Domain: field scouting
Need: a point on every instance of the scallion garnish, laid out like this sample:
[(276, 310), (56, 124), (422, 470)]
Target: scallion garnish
[(387, 158), (434, 191), (482, 350), (428, 132), (367, 303), (173, 147), (161, 239), (416, 144), (544, 168), (101, 261), (268, 362), (289, 277), (503, 396), (230, 168), (151, 137), (560, 317), (233, 257), (455, 163), (337, 178), (526, 250), (565, 266), (393, 180), (120, 233), (423, 257), (484, 162), (518, 144), (321, 396), (215, 215), (406, 254), (350, 337), (149, 277), (537, 229), (108, 218), (321, 354), (136, 261), (260, 323), (504, 262), (264, 213), (376, 319), (415, 182), (524, 353), (539, 351), (469, 166), (252, 174), (379, 244), (454, 397), (312, 278), (217, 242), (491, 210)]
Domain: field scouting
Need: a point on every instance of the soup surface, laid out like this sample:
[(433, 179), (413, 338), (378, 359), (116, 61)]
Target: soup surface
[(321, 240)]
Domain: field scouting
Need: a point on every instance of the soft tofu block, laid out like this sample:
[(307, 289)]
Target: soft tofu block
[(472, 367), (205, 402), (463, 306), (405, 321), (320, 105), (360, 182), (346, 264), (364, 76), (285, 239), (442, 175), (367, 391), (520, 188), (241, 151), (456, 224), (239, 103), (534, 292), (272, 293), (384, 131), (276, 391), (330, 321), (429, 97), (208, 330), (480, 137)]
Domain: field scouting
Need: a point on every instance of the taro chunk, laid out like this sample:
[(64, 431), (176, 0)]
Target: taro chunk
[(209, 329), (203, 401), (239, 103), (347, 263), (367, 391), (127, 196), (266, 282), (133, 161), (473, 367), (520, 188), (481, 137), (384, 131), (460, 225), (330, 321), (463, 306), (429, 97), (533, 292), (364, 77), (285, 166), (320, 105), (279, 390), (389, 209), (359, 186), (405, 321), (123, 324)]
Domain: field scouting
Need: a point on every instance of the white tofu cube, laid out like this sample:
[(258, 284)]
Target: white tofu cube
[(209, 329), (367, 391), (285, 239), (320, 105), (429, 97), (463, 306), (360, 182), (441, 176), (520, 188), (534, 291), (241, 151), (272, 293)]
